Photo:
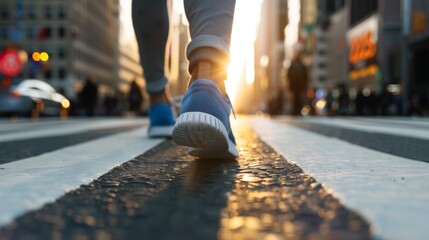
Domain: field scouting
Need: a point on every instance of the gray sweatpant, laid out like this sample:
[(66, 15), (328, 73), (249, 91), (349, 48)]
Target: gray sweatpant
[(210, 25)]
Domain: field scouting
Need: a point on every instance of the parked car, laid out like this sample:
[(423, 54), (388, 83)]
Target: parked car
[(33, 98)]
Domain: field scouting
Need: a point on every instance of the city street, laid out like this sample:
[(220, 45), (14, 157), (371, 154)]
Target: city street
[(296, 178), (332, 131)]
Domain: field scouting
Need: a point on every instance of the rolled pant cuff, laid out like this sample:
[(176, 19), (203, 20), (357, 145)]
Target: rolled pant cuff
[(158, 86), (216, 51), (208, 41)]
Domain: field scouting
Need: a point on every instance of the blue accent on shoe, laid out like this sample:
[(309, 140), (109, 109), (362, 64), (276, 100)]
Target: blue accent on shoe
[(204, 123), (161, 114), (161, 119)]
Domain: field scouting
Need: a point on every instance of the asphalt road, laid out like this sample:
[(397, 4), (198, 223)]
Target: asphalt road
[(103, 179)]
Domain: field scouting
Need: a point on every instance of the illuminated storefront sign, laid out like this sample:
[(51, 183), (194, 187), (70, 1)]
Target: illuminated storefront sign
[(362, 40), (362, 47)]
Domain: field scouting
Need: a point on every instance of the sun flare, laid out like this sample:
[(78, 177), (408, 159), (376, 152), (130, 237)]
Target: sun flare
[(246, 18)]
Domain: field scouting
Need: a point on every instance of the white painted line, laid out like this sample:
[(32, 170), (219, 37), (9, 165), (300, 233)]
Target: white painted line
[(411, 122), (388, 122), (389, 191), (76, 127), (404, 132), (28, 184), (15, 125)]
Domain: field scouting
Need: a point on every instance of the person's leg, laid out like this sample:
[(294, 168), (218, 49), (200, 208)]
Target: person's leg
[(204, 123), (151, 27), (210, 25)]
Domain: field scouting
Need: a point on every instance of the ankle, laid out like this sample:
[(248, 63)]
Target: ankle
[(206, 70), (161, 97)]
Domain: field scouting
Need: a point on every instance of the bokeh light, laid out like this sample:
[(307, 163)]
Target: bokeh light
[(44, 56), (36, 56)]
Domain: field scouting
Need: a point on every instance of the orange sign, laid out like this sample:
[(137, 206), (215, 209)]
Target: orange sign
[(362, 47), (419, 22), (370, 70)]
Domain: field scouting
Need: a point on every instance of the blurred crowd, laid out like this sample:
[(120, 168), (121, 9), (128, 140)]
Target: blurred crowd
[(297, 100), (89, 102), (339, 101)]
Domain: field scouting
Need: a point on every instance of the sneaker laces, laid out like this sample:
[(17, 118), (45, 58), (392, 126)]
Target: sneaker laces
[(232, 108)]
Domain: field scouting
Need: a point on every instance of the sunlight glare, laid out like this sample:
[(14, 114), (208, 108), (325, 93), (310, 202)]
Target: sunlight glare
[(294, 13), (247, 14), (250, 68)]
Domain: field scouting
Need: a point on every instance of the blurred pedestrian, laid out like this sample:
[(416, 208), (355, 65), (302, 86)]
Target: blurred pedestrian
[(425, 104), (205, 107), (135, 98), (111, 104), (88, 97), (298, 83), (329, 103), (415, 105), (360, 102), (343, 101)]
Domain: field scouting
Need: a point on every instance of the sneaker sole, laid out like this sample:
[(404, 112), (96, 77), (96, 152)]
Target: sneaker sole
[(205, 135), (160, 131)]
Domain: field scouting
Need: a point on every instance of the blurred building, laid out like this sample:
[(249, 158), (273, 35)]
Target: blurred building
[(418, 45), (374, 53), (366, 49), (308, 35), (386, 50), (380, 47), (322, 37), (329, 51), (178, 64), (269, 84), (80, 37)]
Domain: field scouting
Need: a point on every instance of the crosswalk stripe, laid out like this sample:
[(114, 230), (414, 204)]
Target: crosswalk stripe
[(29, 183), (422, 133), (407, 147), (420, 121), (67, 127), (25, 148), (390, 191)]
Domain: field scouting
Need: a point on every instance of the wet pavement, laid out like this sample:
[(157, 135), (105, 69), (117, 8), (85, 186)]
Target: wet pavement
[(165, 194)]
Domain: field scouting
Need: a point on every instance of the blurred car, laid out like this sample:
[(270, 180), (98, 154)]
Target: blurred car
[(33, 98)]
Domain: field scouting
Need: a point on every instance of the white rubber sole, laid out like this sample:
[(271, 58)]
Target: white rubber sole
[(160, 131), (206, 136)]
